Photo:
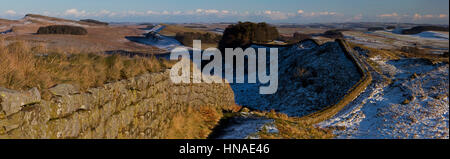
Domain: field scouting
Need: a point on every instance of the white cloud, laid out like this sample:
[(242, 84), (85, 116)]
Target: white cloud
[(232, 15), (428, 16), (150, 12), (211, 11), (177, 12), (134, 13), (276, 15), (225, 11), (358, 17), (418, 16), (165, 12), (75, 12), (325, 13), (388, 15), (199, 10), (103, 13), (10, 12)]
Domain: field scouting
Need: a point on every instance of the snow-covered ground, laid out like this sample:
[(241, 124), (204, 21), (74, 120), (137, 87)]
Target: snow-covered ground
[(156, 29), (426, 35), (432, 35), (163, 42), (311, 77), (415, 105), (159, 41), (437, 41), (368, 41)]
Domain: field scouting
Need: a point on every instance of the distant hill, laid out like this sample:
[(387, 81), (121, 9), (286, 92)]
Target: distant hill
[(419, 29), (35, 18), (6, 21)]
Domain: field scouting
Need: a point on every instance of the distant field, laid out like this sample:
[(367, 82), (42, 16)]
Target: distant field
[(290, 31), (207, 27), (172, 30), (99, 38), (389, 40), (25, 67)]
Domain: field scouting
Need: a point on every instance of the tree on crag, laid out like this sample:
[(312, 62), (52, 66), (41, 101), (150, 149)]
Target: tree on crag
[(333, 34), (245, 33)]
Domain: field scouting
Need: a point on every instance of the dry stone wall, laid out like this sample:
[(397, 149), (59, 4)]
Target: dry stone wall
[(141, 107)]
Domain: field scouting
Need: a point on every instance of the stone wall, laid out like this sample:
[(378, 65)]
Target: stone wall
[(141, 107)]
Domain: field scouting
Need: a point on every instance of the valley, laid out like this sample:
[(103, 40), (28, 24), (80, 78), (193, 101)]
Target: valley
[(356, 84)]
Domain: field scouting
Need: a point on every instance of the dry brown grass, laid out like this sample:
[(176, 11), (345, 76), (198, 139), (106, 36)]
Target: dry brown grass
[(396, 54), (98, 39), (197, 123), (23, 68), (388, 54), (294, 128), (194, 123)]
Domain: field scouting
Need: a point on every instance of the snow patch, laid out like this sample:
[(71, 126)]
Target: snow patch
[(432, 35), (244, 127)]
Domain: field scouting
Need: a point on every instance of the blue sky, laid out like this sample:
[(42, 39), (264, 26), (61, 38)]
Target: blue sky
[(276, 11)]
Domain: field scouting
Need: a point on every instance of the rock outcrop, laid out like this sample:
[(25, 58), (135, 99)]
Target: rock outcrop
[(141, 107)]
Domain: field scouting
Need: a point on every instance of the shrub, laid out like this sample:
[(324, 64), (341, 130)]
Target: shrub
[(375, 28), (243, 34), (62, 29), (334, 34), (390, 27)]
